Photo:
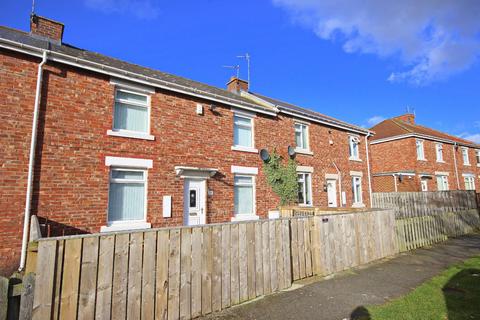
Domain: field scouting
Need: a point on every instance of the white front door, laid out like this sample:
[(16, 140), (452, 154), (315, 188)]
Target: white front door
[(332, 193), (194, 201)]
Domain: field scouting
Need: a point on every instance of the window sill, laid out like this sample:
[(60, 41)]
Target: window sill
[(245, 217), (305, 205), (127, 225), (133, 135), (358, 205), (441, 161), (467, 164), (244, 149), (355, 159), (304, 151), (424, 160)]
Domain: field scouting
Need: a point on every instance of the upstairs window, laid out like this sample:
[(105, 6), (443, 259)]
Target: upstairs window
[(420, 150), (439, 152), (301, 136), (466, 160), (132, 112), (442, 183), (477, 155), (354, 147), (242, 131), (126, 199), (304, 189)]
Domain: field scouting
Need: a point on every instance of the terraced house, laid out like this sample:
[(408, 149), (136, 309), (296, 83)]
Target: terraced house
[(410, 157), (117, 146)]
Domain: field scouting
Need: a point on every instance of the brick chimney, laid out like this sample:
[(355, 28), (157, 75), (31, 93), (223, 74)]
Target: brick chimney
[(407, 117), (46, 28), (236, 85)]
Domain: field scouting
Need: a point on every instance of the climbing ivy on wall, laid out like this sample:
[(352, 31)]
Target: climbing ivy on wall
[(282, 178)]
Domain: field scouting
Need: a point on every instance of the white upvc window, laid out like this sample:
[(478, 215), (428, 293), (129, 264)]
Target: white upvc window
[(477, 156), (357, 190), (353, 143), (131, 116), (243, 137), (466, 160), (439, 152), (469, 182), (127, 197), (304, 188), (424, 185), (442, 183), (420, 150), (302, 137), (244, 195)]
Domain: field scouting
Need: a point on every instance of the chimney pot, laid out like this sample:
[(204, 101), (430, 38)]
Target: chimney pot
[(46, 28), (237, 85)]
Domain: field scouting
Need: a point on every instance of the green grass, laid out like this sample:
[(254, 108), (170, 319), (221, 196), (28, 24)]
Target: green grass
[(452, 295)]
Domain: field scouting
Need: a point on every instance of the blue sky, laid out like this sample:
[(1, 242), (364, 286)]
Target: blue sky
[(359, 63)]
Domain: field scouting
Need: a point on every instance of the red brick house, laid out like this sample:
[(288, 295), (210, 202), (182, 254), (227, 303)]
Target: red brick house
[(92, 143), (406, 156)]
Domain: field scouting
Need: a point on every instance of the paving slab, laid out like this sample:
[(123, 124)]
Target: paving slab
[(338, 297)]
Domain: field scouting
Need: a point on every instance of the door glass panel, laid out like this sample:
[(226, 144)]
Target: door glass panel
[(193, 198)]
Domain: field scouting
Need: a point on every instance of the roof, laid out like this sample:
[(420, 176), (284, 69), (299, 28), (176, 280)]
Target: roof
[(395, 127), (102, 63), (288, 107)]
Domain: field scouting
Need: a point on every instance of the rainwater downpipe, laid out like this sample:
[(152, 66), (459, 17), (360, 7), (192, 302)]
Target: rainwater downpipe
[(368, 169), (395, 182), (31, 162), (339, 183)]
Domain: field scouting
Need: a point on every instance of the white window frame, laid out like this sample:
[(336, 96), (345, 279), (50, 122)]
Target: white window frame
[(424, 185), (246, 216), (127, 164), (354, 144), (304, 174), (444, 186), (477, 156), (356, 203), (118, 132), (439, 152), (420, 145), (465, 156), (469, 179), (305, 148), (251, 117)]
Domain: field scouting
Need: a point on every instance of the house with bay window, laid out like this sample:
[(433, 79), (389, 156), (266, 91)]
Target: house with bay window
[(96, 144), (409, 157)]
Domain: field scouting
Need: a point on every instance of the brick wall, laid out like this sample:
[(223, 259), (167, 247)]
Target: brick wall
[(71, 179), (401, 155)]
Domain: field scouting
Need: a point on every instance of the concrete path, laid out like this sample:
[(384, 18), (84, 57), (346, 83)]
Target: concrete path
[(338, 297)]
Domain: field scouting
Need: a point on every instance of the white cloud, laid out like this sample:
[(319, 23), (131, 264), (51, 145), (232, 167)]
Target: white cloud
[(141, 9), (432, 39), (475, 137), (375, 120)]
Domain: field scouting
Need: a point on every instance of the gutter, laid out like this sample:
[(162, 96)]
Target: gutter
[(130, 76), (31, 162)]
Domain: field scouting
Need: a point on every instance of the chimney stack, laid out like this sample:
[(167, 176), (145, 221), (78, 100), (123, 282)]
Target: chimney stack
[(236, 85), (408, 117), (46, 28)]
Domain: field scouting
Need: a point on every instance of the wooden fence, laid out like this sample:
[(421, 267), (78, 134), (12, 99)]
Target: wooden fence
[(329, 243), (182, 273), (415, 204)]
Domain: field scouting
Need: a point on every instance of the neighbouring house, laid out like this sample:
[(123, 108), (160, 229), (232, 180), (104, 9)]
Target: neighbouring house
[(119, 146), (406, 156)]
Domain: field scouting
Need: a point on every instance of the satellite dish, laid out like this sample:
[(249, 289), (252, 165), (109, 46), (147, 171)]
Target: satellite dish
[(264, 155), (291, 151)]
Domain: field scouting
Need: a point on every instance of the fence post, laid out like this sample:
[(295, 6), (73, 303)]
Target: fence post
[(3, 298), (26, 302)]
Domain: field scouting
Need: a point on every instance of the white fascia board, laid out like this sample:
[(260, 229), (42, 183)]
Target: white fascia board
[(128, 162), (422, 137), (244, 170), (122, 74), (326, 123)]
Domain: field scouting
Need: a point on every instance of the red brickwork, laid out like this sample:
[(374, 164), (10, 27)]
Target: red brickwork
[(46, 28), (71, 179)]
